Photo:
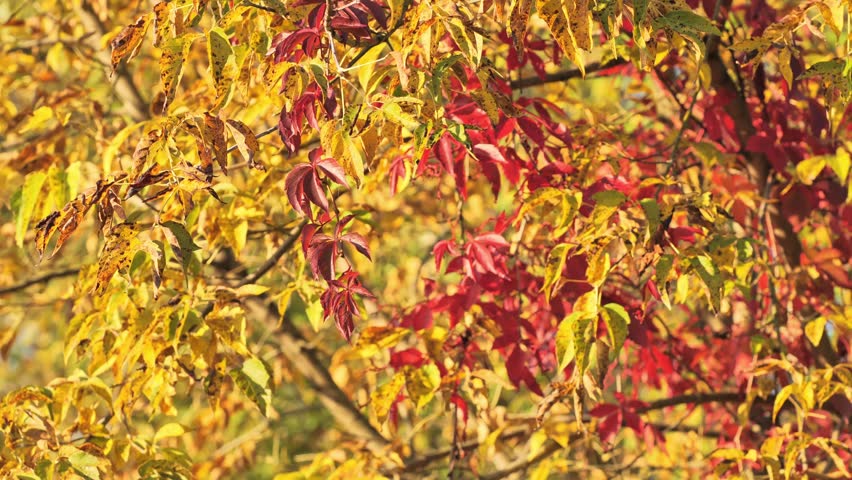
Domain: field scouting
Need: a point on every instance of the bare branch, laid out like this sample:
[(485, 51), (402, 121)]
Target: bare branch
[(564, 75), (42, 279)]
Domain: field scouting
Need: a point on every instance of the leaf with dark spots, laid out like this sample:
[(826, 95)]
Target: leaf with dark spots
[(127, 42)]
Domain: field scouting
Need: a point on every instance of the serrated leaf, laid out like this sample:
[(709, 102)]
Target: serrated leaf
[(687, 23), (553, 269), (384, 397), (219, 53), (180, 240), (583, 329), (246, 142), (254, 379), (29, 196)]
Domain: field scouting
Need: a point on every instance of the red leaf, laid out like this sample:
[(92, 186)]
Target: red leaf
[(333, 170), (359, 242)]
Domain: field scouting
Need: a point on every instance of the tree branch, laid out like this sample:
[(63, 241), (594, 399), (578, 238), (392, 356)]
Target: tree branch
[(302, 356), (42, 279), (547, 450), (697, 398), (563, 75)]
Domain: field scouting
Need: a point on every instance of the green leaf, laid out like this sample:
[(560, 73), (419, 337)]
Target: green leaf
[(617, 320), (606, 203), (84, 464), (583, 328), (652, 214), (254, 379), (180, 240), (687, 23), (664, 266), (554, 267), (30, 193), (565, 340)]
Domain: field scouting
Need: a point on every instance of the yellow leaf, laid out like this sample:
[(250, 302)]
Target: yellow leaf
[(781, 398), (169, 430), (383, 397), (422, 383), (118, 252), (814, 330), (174, 52), (784, 58), (30, 194), (220, 55), (554, 267), (519, 15), (553, 14), (39, 120), (808, 169), (598, 268)]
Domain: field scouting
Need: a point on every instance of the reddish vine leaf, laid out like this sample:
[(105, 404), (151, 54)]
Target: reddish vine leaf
[(338, 301), (324, 250), (304, 187)]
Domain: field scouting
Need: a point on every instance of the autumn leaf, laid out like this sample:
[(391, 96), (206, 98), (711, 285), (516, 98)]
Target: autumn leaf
[(121, 244), (127, 42)]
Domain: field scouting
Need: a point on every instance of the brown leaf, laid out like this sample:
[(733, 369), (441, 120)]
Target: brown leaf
[(246, 142), (127, 42), (214, 135)]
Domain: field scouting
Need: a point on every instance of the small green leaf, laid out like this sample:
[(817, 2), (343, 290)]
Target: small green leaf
[(652, 214), (254, 379), (687, 23)]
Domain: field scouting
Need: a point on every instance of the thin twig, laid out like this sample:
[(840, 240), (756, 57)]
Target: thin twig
[(42, 279), (562, 76)]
